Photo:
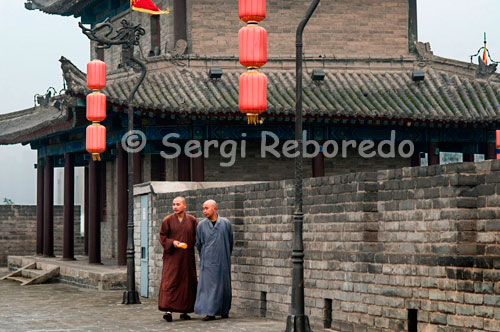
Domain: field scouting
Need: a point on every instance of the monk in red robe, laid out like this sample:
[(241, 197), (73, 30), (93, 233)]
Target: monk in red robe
[(178, 281)]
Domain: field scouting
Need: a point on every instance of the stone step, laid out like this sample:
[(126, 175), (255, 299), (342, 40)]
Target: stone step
[(19, 279), (32, 273)]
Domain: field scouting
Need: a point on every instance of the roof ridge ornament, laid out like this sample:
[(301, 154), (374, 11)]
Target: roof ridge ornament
[(424, 52), (43, 100), (484, 70)]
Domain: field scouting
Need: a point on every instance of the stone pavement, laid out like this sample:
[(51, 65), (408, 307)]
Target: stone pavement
[(60, 307)]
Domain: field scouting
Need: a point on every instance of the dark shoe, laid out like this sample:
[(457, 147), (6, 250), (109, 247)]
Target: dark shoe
[(207, 318), (225, 316), (167, 317), (185, 317)]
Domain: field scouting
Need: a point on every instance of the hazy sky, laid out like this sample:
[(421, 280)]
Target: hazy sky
[(33, 42)]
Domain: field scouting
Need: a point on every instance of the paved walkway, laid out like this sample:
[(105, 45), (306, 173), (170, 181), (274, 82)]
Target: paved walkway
[(59, 307)]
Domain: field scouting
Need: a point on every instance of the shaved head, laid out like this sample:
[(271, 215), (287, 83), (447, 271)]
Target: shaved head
[(182, 199), (210, 209), (211, 202), (179, 206)]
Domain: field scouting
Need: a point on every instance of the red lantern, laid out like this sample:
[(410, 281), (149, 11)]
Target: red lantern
[(253, 46), (498, 144), (96, 75), (96, 106), (252, 10), (96, 140), (253, 94)]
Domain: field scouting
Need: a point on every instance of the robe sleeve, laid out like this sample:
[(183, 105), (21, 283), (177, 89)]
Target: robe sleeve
[(198, 238), (231, 241), (166, 243)]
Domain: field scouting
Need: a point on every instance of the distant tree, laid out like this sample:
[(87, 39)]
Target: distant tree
[(7, 201)]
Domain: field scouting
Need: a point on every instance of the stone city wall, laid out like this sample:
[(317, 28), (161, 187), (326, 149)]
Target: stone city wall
[(383, 250), (18, 231)]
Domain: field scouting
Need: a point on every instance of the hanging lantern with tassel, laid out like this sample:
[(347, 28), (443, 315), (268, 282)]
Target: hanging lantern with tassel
[(253, 94), (498, 143), (96, 140), (252, 42), (96, 109)]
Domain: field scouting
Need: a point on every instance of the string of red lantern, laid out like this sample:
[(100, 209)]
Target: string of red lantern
[(252, 42), (498, 143), (96, 109)]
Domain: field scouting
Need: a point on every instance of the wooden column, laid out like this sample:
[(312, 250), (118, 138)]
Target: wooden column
[(122, 199), (158, 168), (48, 208), (102, 191), (183, 168), (415, 159), (69, 207), (318, 164), (198, 167), (490, 151), (137, 167), (432, 157), (86, 212), (39, 206), (468, 157), (94, 223)]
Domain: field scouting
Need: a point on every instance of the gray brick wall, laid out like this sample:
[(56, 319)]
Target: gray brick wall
[(18, 231), (353, 163), (251, 168), (337, 28), (376, 245), (255, 168), (343, 27)]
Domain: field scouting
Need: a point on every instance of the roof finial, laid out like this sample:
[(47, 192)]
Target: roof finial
[(485, 58), (486, 54)]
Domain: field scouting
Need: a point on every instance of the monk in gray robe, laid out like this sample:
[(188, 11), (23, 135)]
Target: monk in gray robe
[(214, 241)]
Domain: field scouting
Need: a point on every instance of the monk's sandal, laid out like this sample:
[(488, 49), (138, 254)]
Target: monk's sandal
[(167, 317)]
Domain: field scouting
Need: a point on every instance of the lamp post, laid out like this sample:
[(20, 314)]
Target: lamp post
[(127, 35), (297, 321)]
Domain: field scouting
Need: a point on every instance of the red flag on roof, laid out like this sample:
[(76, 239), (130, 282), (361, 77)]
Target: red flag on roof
[(147, 6), (485, 58)]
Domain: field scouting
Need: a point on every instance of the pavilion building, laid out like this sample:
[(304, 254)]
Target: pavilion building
[(371, 78)]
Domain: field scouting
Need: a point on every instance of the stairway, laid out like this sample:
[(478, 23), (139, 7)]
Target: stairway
[(32, 274)]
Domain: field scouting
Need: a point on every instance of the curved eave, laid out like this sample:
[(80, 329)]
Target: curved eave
[(59, 7), (34, 123)]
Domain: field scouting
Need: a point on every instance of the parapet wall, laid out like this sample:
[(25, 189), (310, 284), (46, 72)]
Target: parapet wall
[(18, 231), (382, 250)]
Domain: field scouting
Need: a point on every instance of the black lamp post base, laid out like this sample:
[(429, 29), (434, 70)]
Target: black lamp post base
[(131, 297), (294, 324)]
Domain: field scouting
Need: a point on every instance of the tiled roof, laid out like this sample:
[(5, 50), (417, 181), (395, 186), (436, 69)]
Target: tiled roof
[(375, 94), (32, 123), (59, 7)]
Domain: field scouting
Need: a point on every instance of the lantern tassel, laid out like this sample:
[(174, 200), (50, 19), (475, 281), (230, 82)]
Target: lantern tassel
[(96, 157), (253, 118)]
